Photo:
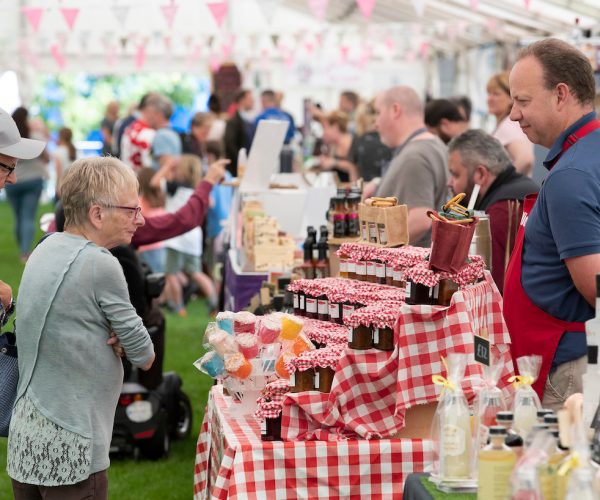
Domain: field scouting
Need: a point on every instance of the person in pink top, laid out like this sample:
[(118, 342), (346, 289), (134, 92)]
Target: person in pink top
[(510, 135)]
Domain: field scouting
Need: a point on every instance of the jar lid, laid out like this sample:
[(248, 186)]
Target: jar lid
[(504, 416), (551, 418), (542, 412), (497, 430)]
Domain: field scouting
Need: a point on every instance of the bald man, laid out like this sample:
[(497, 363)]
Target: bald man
[(417, 174)]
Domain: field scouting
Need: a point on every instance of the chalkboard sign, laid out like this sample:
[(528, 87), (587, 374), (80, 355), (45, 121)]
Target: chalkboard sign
[(482, 350)]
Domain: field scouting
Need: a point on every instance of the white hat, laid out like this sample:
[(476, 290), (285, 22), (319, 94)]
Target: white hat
[(11, 142)]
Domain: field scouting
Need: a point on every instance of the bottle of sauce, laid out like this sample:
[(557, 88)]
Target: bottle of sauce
[(322, 264), (340, 229), (455, 438), (343, 265), (496, 462), (307, 269), (352, 220)]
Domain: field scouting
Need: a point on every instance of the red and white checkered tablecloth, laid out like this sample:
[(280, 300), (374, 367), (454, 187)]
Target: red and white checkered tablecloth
[(372, 390), (233, 462)]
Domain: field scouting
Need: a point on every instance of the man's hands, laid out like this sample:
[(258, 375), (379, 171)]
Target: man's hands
[(117, 348), (5, 295), (216, 172)]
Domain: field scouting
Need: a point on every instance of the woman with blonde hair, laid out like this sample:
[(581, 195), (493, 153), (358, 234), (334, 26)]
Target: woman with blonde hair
[(75, 322), (338, 140), (509, 133)]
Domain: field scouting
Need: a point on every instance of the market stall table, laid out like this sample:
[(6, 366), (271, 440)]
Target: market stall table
[(233, 462)]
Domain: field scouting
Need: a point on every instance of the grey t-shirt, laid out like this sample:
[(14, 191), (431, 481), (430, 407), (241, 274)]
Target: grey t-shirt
[(418, 177)]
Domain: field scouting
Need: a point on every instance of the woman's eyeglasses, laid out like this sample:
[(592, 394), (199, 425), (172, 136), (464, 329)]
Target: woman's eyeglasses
[(135, 210)]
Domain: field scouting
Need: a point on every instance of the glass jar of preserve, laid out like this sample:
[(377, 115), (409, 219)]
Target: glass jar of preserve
[(371, 274), (325, 378), (364, 231), (301, 303), (271, 429), (417, 293), (351, 269), (301, 381), (360, 270), (311, 307), (383, 339), (398, 278), (322, 308), (343, 265), (296, 296), (382, 234), (445, 291), (389, 274), (373, 237), (335, 313), (347, 309), (380, 272), (361, 338)]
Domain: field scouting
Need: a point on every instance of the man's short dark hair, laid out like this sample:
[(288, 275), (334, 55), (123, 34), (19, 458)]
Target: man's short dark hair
[(351, 96), (268, 94), (438, 109), (563, 63), (463, 101)]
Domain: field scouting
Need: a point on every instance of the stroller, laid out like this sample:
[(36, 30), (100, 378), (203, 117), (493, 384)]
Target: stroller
[(152, 408)]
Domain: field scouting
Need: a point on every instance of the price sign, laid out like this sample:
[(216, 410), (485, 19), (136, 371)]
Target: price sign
[(482, 350)]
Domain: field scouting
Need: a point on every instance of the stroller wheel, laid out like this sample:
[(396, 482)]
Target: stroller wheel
[(183, 421), (159, 445)]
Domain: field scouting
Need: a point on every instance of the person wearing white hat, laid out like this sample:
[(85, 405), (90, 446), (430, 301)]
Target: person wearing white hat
[(13, 147)]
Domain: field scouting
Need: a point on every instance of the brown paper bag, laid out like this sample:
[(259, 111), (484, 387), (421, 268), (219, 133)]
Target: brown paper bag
[(450, 245), (386, 226)]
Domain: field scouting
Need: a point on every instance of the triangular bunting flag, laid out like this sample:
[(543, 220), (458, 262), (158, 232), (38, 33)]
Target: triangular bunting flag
[(268, 8), (169, 12), (140, 56), (366, 7), (70, 14), (318, 8), (526, 2), (58, 56), (34, 16), (219, 11), (474, 4), (121, 12)]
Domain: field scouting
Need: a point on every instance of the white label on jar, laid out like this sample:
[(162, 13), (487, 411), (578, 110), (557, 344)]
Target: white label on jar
[(263, 427), (350, 335), (334, 311), (373, 232), (436, 292), (296, 301), (361, 268), (323, 307), (397, 275), (351, 266), (380, 269), (293, 379), (311, 305), (302, 302), (347, 310), (376, 336), (408, 289), (389, 271), (371, 268), (316, 379), (382, 234), (363, 231), (453, 440), (315, 253), (343, 265)]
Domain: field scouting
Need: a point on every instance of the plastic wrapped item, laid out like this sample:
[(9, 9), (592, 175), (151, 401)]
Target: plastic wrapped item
[(302, 344), (238, 366), (225, 321), (524, 479), (268, 356), (526, 402), (269, 330), (283, 358), (452, 423), (211, 363), (248, 345), (488, 402), (211, 328), (290, 327), (223, 343), (244, 322)]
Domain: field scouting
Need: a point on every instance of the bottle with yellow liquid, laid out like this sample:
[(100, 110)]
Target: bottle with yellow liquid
[(553, 487), (455, 438), (496, 462)]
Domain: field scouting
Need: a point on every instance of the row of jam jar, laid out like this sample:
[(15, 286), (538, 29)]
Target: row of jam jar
[(372, 271), (322, 309)]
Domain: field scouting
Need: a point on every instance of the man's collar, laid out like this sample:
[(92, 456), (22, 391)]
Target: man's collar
[(556, 148)]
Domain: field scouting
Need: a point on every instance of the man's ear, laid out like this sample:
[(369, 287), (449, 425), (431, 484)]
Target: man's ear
[(480, 175)]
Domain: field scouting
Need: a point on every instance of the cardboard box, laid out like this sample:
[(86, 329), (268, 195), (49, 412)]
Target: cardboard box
[(418, 422)]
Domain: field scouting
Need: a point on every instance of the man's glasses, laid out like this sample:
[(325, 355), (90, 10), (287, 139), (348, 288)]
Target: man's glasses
[(8, 168), (135, 210)]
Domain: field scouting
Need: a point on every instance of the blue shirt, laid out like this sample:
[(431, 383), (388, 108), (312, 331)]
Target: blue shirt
[(277, 114), (166, 142), (564, 223)]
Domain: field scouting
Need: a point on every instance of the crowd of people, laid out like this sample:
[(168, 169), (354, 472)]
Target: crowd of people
[(163, 198)]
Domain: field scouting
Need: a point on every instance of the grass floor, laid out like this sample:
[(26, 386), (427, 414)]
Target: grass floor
[(167, 479)]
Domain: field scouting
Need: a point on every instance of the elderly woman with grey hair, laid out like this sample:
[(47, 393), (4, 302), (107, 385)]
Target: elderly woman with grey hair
[(72, 296)]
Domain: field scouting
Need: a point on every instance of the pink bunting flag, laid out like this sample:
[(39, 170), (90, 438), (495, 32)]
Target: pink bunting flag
[(111, 56), (58, 56), (121, 12), (318, 8), (366, 7), (70, 14), (424, 50), (34, 16), (344, 51), (140, 56), (526, 3), (169, 12), (219, 11), (214, 62), (474, 4)]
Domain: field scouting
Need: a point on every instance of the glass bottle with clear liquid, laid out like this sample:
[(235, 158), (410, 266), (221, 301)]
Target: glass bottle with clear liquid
[(496, 462)]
